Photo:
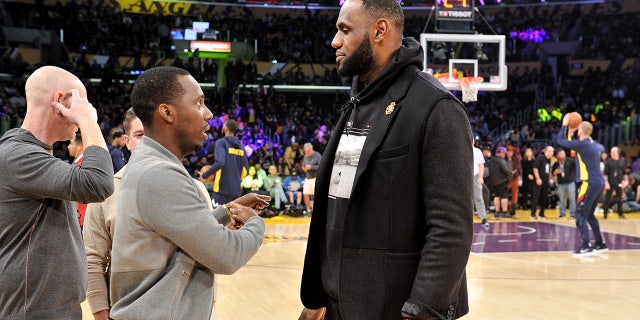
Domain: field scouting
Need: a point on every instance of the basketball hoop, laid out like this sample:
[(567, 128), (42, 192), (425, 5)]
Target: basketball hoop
[(469, 87)]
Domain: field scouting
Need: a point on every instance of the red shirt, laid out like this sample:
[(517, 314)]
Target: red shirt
[(82, 207)]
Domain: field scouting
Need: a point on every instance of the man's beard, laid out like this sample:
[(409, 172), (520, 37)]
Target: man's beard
[(187, 146), (359, 62)]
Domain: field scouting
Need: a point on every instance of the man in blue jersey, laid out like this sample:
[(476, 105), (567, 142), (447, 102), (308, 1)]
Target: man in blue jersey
[(230, 165), (591, 181)]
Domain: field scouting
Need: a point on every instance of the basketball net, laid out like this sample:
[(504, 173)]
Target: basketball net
[(469, 87)]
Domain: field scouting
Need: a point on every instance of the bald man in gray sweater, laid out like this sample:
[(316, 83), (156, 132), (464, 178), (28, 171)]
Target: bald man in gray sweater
[(43, 265)]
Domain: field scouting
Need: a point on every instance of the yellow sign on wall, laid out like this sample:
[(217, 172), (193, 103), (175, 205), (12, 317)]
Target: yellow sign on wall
[(165, 7)]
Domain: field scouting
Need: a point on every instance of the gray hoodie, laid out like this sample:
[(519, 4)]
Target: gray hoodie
[(43, 265)]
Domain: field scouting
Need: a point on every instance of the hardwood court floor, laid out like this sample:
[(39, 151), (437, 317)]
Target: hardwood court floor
[(518, 269)]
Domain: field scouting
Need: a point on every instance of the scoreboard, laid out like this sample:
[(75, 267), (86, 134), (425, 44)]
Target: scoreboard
[(455, 15)]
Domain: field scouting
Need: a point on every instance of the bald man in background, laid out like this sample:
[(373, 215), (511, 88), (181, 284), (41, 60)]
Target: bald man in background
[(42, 258)]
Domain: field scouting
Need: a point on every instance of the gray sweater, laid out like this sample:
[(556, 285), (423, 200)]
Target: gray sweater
[(43, 266), (314, 161), (168, 244)]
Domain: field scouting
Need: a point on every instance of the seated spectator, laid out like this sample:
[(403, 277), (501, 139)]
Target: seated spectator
[(273, 184), (252, 182), (281, 166), (293, 186), (630, 188), (259, 171)]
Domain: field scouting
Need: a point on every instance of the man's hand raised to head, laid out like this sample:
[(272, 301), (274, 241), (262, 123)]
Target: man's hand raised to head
[(75, 108), (80, 112)]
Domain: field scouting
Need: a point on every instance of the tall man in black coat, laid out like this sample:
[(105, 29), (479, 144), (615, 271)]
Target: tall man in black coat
[(392, 224)]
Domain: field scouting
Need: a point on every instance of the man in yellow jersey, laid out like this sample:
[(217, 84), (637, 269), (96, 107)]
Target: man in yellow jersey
[(591, 183)]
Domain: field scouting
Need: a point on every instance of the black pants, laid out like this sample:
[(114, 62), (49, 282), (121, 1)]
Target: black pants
[(486, 196), (333, 310), (617, 198), (525, 192), (539, 198)]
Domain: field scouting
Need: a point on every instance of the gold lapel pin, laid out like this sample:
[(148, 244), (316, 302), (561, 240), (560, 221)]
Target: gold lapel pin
[(390, 108)]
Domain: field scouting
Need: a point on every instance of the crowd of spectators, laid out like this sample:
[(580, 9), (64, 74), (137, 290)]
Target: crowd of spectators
[(273, 121), (303, 36), (272, 124)]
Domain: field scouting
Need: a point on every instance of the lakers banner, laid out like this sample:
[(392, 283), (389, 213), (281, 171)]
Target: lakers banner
[(165, 7)]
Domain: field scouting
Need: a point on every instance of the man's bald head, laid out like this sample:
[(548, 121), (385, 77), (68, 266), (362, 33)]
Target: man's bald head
[(48, 84)]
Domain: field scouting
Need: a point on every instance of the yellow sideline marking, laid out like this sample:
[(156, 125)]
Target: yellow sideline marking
[(283, 219)]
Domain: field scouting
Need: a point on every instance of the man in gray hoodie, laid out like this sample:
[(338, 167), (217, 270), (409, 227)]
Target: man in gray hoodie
[(42, 259), (167, 243)]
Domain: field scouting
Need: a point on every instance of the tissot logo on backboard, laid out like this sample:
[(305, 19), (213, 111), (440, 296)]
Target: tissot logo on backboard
[(455, 14)]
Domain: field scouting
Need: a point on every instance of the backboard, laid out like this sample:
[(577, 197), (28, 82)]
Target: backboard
[(451, 56)]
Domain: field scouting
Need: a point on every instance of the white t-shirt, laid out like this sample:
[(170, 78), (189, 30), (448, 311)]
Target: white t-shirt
[(478, 159)]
